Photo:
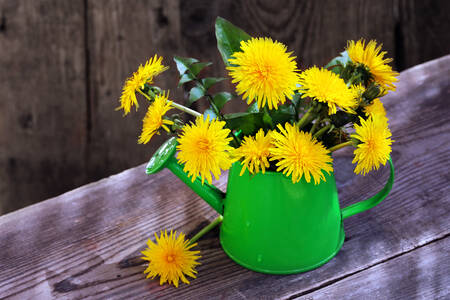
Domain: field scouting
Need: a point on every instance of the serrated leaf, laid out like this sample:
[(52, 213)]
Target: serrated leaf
[(194, 94), (197, 67), (183, 63), (186, 77), (210, 81), (220, 99), (229, 38)]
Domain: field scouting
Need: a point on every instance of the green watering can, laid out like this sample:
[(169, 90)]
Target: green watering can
[(271, 225)]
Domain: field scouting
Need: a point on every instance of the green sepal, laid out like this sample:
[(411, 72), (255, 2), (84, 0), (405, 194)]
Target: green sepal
[(229, 38)]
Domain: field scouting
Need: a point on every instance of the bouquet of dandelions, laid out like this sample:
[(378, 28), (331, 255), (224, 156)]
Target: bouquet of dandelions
[(294, 120)]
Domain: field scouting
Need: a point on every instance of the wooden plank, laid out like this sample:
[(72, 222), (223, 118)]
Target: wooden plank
[(68, 88), (420, 274), (422, 26), (84, 243), (122, 35), (43, 107)]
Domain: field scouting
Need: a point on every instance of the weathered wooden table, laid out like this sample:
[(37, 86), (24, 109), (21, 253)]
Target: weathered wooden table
[(86, 243)]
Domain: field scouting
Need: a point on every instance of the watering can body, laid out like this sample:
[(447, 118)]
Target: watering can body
[(270, 224)]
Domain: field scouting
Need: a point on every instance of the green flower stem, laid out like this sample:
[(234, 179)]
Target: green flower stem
[(236, 139), (206, 229), (186, 110), (174, 104), (314, 127), (340, 146), (211, 101), (217, 112), (214, 107), (305, 117), (319, 133)]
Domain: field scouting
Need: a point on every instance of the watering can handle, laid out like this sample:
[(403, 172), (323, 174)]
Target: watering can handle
[(372, 201)]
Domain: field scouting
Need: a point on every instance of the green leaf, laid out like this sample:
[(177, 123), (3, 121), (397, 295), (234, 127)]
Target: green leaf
[(186, 77), (197, 67), (253, 108), (286, 108), (267, 119), (281, 116), (194, 94), (210, 81), (339, 62), (220, 99), (248, 123), (229, 38), (296, 99), (209, 112), (183, 63)]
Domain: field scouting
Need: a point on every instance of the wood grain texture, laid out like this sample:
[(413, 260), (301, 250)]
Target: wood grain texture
[(85, 244), (420, 274), (42, 106), (66, 61), (122, 35)]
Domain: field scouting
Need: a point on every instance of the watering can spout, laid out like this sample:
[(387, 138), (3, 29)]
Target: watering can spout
[(164, 157)]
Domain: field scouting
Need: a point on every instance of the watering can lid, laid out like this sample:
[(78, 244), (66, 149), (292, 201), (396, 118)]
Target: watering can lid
[(162, 156)]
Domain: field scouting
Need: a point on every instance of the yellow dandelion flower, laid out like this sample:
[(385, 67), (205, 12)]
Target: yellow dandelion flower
[(264, 72), (299, 154), (376, 108), (204, 149), (143, 75), (255, 152), (154, 120), (170, 258), (375, 145), (326, 86), (370, 56)]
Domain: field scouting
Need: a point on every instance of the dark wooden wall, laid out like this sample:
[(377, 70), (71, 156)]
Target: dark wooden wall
[(62, 65)]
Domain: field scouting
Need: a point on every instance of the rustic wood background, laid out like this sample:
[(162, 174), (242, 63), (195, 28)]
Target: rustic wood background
[(85, 244), (62, 65)]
